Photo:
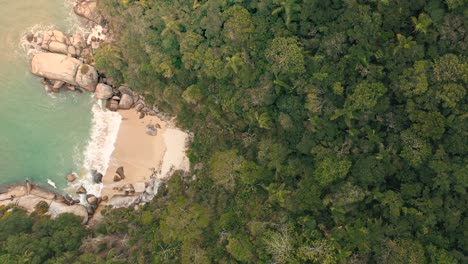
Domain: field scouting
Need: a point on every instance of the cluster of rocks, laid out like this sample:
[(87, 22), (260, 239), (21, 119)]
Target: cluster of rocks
[(89, 201), (67, 63), (136, 194), (29, 196)]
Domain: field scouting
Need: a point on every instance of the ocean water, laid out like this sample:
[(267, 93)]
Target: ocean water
[(42, 136)]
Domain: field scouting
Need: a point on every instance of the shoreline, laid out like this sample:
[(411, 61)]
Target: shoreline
[(147, 161), (145, 151)]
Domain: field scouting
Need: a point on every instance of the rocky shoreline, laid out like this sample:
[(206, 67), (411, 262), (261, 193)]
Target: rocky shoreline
[(65, 63)]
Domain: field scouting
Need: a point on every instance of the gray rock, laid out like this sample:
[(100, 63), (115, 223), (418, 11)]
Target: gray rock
[(126, 101), (113, 105), (30, 37), (151, 130), (98, 177), (118, 201), (139, 106), (115, 97), (152, 113), (125, 90), (103, 91)]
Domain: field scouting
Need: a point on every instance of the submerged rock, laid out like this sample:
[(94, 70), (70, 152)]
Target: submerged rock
[(81, 190), (57, 85), (30, 37), (98, 177), (71, 177)]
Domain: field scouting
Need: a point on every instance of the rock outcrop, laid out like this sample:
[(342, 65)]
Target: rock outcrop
[(103, 91), (60, 67), (58, 42), (55, 67), (87, 9), (87, 77), (56, 209), (126, 101)]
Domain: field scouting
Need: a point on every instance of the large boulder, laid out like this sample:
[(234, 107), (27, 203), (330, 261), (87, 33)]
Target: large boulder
[(88, 10), (58, 47), (56, 209), (123, 89), (112, 105), (86, 77), (55, 67), (29, 202), (123, 201), (126, 101), (103, 91)]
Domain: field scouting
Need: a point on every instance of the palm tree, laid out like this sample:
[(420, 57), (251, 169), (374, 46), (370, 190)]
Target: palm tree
[(287, 6), (234, 62), (172, 24), (421, 23), (404, 43)]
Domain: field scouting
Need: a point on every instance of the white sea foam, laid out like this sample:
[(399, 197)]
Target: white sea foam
[(104, 129)]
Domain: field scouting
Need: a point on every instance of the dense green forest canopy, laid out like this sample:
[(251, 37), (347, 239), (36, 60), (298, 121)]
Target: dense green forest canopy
[(326, 131)]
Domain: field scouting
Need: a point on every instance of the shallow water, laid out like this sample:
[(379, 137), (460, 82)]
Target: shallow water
[(41, 136)]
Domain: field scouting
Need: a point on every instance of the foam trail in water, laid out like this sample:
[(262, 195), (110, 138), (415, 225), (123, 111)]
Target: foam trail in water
[(104, 130)]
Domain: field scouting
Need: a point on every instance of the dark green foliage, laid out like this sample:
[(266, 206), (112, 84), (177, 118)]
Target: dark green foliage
[(37, 239), (325, 131)]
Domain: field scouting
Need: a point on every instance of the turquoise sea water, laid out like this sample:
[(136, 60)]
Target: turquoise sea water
[(41, 137)]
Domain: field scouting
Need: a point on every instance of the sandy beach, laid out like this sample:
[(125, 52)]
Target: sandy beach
[(135, 150), (141, 154)]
